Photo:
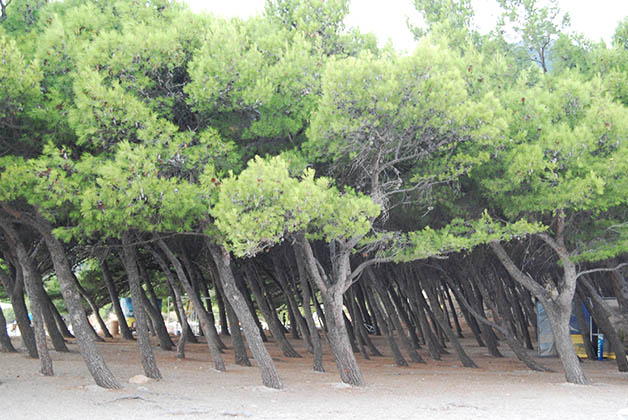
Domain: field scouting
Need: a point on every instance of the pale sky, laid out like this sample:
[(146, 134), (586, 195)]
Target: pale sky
[(387, 18)]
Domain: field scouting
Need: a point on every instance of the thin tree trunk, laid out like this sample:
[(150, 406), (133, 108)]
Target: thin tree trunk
[(440, 318), (583, 326), (15, 290), (203, 317), (115, 301), (317, 348), (129, 260), (6, 345), (59, 321), (273, 324), (602, 315)]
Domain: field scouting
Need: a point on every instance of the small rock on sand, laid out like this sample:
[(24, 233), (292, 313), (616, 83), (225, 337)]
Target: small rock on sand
[(139, 379)]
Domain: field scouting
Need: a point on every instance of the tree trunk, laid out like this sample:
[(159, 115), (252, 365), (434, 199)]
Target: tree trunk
[(558, 310), (506, 334), (15, 290), (222, 313), (59, 321), (129, 260), (31, 277), (271, 320), (392, 315), (317, 348), (203, 317), (338, 337), (115, 301), (440, 318), (94, 361), (601, 313), (221, 257), (5, 341)]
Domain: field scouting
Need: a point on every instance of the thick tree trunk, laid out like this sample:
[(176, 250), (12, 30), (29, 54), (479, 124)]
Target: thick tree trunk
[(221, 257), (558, 309), (338, 337), (115, 301), (203, 317), (129, 260), (246, 293), (5, 341), (94, 361)]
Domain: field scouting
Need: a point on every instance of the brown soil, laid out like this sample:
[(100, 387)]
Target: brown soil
[(191, 389)]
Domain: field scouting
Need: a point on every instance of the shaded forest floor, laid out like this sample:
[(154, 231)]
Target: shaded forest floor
[(192, 389)]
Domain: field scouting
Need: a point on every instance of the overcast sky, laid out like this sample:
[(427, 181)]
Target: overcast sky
[(595, 19)]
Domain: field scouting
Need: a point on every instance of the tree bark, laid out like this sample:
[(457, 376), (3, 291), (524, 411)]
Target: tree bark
[(601, 313), (317, 348), (276, 330), (115, 301), (15, 290), (203, 317), (6, 345), (222, 259), (129, 260), (558, 309), (94, 361)]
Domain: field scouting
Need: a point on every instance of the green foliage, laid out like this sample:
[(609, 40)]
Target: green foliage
[(263, 204)]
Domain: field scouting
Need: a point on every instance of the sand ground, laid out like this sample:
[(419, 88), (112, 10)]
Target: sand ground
[(192, 389)]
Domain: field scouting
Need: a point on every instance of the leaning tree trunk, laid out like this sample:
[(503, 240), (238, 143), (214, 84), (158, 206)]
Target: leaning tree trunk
[(30, 281), (268, 312), (602, 315), (558, 309), (440, 318), (203, 317), (115, 301), (338, 337), (222, 259), (94, 361), (15, 290), (129, 260), (317, 348), (239, 349)]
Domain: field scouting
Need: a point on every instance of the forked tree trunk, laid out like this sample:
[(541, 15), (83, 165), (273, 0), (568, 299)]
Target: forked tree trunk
[(222, 259), (558, 309), (129, 260)]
